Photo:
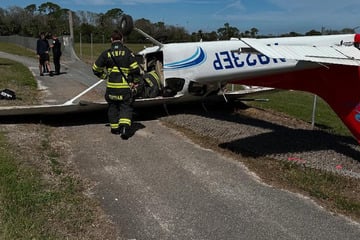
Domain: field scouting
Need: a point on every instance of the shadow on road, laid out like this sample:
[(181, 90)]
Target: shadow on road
[(276, 140)]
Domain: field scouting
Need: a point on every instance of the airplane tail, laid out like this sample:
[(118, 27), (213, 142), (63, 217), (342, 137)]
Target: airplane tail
[(338, 85)]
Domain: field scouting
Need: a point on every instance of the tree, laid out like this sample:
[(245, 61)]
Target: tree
[(50, 17), (204, 36), (143, 24), (114, 15), (14, 20), (48, 8), (313, 33), (347, 30), (85, 30), (253, 32), (31, 9), (228, 32)]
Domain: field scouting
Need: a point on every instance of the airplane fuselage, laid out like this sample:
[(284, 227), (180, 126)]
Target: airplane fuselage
[(216, 63), (325, 65)]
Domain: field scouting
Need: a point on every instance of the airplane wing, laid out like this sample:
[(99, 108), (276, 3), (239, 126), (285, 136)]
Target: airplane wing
[(342, 54), (77, 106), (49, 109)]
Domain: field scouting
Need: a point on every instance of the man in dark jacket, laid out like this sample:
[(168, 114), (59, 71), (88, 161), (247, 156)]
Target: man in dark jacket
[(42, 51), (120, 65), (56, 49)]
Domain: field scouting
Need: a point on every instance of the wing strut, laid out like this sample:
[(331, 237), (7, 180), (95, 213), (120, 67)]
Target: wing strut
[(71, 101)]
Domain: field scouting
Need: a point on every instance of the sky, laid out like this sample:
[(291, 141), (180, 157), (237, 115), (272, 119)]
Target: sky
[(268, 16)]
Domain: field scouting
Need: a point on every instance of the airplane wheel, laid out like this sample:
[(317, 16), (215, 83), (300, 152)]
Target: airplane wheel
[(126, 24)]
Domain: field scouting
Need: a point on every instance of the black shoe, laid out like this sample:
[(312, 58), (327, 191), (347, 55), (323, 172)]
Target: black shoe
[(124, 133), (115, 131), (51, 73), (41, 74)]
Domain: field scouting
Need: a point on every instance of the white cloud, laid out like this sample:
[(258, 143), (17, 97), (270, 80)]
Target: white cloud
[(231, 7)]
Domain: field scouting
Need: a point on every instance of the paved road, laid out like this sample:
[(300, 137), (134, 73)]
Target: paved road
[(159, 185)]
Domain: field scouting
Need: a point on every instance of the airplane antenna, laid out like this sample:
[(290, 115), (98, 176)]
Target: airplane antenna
[(223, 93)]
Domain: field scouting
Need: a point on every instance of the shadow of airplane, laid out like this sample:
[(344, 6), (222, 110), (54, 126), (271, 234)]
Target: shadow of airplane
[(275, 139)]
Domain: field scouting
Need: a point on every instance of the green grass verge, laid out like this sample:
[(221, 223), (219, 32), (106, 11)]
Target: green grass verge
[(300, 105), (335, 192), (24, 203), (18, 78), (16, 49), (33, 207)]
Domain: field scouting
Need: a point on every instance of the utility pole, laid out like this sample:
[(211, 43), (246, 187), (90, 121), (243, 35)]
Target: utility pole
[(71, 26)]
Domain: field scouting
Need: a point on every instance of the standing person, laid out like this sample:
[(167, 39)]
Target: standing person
[(56, 49), (121, 65), (42, 51)]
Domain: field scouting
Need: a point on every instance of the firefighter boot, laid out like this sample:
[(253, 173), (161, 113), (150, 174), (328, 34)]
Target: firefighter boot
[(124, 132), (115, 131)]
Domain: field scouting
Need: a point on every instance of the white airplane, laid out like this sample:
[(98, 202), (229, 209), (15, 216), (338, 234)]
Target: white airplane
[(328, 66)]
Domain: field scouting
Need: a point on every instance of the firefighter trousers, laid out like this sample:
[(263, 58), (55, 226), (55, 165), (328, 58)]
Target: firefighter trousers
[(120, 108)]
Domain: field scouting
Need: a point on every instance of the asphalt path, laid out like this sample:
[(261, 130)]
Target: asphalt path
[(160, 185)]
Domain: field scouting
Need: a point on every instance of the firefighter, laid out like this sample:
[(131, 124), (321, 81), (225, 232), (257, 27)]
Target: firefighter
[(120, 65), (149, 85)]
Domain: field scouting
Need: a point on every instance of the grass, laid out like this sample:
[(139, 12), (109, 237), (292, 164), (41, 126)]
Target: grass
[(334, 192), (16, 49), (34, 207), (18, 78), (338, 193)]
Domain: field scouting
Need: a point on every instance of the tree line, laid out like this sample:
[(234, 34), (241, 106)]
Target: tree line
[(97, 27)]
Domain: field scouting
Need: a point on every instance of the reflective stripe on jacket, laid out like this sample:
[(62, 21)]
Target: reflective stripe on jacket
[(125, 59)]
